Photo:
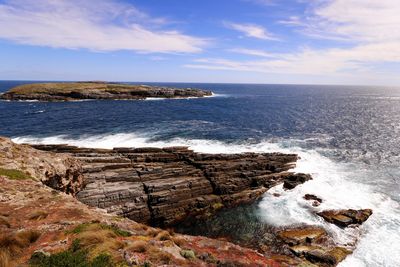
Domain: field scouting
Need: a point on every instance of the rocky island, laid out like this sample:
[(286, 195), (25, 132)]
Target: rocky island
[(70, 91), (99, 207)]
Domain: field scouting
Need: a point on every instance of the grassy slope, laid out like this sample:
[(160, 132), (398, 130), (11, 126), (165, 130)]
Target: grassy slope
[(75, 87)]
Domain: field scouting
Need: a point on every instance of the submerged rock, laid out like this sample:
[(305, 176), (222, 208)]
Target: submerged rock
[(344, 218), (316, 200)]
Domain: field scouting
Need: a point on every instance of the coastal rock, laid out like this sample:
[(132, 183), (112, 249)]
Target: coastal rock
[(316, 200), (293, 180), (313, 244), (162, 186), (26, 237), (96, 90), (344, 218), (62, 172)]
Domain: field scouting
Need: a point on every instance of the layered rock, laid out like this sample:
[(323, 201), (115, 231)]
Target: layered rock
[(344, 218), (162, 186), (96, 90)]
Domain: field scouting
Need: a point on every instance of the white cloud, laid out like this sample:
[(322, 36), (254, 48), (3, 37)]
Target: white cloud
[(356, 20), (95, 25), (252, 30), (368, 29)]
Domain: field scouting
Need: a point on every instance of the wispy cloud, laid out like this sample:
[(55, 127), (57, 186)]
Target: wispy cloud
[(252, 52), (252, 30), (95, 25), (368, 29)]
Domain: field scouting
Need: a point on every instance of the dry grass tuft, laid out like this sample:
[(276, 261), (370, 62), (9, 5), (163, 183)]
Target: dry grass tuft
[(157, 255), (179, 241), (152, 232), (4, 221), (14, 243), (139, 246), (38, 215), (5, 260), (98, 240), (163, 236)]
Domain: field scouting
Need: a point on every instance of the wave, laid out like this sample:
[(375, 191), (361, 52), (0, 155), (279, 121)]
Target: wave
[(338, 184)]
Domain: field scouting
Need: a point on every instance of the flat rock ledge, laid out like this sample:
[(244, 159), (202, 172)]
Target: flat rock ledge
[(344, 218), (96, 91), (162, 186)]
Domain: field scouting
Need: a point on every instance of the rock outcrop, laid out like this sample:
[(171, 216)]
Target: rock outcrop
[(344, 218), (96, 90), (60, 172), (162, 186)]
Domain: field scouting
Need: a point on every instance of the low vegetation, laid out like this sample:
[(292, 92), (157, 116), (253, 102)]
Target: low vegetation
[(38, 215), (74, 87), (74, 256), (14, 174), (12, 244)]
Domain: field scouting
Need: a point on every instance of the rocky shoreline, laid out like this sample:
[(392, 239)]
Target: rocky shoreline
[(96, 91), (158, 187)]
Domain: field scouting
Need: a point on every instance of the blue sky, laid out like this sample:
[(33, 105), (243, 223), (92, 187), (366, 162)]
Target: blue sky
[(246, 41)]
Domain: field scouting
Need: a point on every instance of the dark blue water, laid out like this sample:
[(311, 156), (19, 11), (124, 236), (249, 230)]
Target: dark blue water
[(352, 132)]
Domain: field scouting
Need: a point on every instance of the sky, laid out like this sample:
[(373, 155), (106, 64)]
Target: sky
[(213, 41)]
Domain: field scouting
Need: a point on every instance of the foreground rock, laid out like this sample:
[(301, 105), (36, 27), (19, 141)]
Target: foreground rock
[(38, 223), (96, 90), (164, 186), (344, 218), (314, 245)]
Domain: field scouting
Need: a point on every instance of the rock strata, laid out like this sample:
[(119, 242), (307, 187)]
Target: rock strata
[(96, 90), (162, 186), (344, 218)]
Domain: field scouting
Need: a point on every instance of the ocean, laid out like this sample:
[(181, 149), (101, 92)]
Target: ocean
[(348, 138)]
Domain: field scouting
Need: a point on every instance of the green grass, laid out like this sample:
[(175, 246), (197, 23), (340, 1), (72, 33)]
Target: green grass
[(73, 257), (73, 87), (14, 174)]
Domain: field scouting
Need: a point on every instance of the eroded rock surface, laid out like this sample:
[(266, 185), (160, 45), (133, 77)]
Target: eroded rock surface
[(344, 218), (162, 186), (61, 172)]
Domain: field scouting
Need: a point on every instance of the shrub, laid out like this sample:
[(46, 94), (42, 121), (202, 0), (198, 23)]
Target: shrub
[(70, 258), (187, 254)]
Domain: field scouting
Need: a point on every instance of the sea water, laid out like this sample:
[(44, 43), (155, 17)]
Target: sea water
[(348, 138)]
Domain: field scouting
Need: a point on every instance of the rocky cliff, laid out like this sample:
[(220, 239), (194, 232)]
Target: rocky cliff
[(96, 90), (162, 186), (40, 226)]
